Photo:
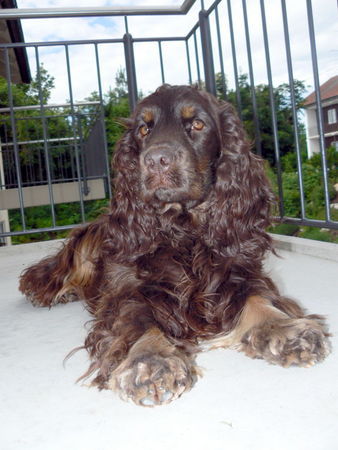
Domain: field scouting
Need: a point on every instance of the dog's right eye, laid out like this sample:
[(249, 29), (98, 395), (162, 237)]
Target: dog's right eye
[(197, 125), (144, 130)]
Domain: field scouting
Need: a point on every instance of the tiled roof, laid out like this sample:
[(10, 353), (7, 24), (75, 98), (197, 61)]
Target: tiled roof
[(327, 90)]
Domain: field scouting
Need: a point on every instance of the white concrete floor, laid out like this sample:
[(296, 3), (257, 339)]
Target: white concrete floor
[(239, 404)]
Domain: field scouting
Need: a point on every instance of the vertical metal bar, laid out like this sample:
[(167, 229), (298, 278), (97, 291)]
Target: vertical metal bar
[(220, 52), (45, 137), (85, 187), (76, 149), (71, 159), (258, 141), (208, 59), (294, 108), (106, 159), (161, 61), (234, 59), (2, 181), (273, 111), (15, 142), (197, 61), (188, 60), (60, 165), (40, 166), (126, 24), (319, 111), (130, 68), (30, 174)]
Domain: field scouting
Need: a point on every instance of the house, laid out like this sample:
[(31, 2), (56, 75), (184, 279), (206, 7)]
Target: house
[(11, 32), (329, 100)]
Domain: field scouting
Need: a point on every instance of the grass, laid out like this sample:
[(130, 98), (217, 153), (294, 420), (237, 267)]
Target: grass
[(318, 234)]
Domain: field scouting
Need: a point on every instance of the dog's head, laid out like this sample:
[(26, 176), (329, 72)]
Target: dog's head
[(177, 132), (183, 146)]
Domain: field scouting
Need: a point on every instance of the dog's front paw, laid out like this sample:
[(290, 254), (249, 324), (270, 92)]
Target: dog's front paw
[(302, 342), (153, 379), (155, 371)]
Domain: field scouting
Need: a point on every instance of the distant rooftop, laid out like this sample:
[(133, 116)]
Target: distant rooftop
[(327, 90), (11, 32)]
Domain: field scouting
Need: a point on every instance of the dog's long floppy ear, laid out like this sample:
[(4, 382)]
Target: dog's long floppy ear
[(242, 197), (131, 223)]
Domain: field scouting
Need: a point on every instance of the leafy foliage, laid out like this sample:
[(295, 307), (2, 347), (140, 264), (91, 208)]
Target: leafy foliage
[(40, 217), (313, 185), (312, 182), (29, 126), (116, 106), (28, 94), (284, 116)]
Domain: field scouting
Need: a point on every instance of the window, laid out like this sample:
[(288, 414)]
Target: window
[(331, 115), (335, 144)]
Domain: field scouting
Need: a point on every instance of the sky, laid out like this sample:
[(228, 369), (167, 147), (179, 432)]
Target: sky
[(83, 63)]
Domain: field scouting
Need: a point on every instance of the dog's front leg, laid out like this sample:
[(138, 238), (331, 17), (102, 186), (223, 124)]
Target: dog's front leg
[(133, 357), (278, 331), (71, 273)]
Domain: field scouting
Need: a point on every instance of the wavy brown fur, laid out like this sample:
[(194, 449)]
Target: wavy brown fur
[(179, 252)]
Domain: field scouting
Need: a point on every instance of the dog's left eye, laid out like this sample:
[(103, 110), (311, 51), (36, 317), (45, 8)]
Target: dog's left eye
[(197, 125), (144, 130)]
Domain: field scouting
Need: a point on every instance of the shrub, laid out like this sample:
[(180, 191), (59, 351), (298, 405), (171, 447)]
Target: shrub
[(318, 235), (287, 229)]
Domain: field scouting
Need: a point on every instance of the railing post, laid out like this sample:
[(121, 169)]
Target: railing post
[(208, 59), (130, 68)]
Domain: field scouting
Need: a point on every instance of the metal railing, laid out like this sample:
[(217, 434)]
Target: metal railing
[(206, 62)]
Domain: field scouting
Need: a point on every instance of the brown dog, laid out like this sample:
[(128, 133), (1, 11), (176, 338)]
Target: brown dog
[(176, 264)]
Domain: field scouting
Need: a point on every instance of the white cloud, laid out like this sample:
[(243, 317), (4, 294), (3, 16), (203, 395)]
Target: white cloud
[(82, 58)]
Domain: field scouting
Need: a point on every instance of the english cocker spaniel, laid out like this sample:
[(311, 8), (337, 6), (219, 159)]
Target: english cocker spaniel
[(175, 266)]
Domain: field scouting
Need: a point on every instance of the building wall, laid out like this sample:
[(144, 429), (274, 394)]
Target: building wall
[(312, 137), (333, 140), (330, 129)]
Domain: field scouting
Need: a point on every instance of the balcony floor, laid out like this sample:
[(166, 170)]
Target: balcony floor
[(239, 404)]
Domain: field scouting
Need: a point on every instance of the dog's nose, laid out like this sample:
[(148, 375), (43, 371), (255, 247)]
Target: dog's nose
[(158, 159)]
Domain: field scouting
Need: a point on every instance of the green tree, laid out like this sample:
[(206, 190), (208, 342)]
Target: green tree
[(29, 126), (121, 86), (28, 94), (283, 108), (42, 83), (116, 106), (221, 85)]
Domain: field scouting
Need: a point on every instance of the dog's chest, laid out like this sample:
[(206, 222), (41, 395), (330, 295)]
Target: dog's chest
[(173, 279), (167, 265)]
